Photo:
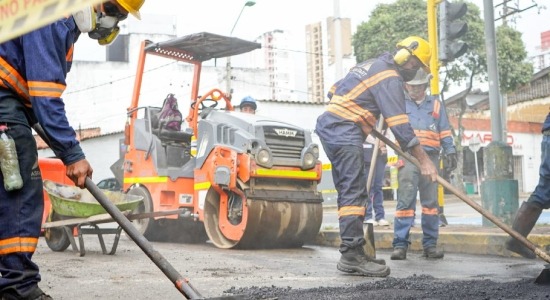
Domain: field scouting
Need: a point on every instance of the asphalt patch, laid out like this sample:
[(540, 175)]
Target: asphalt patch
[(414, 287)]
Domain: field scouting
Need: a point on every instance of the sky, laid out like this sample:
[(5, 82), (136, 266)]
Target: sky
[(219, 16)]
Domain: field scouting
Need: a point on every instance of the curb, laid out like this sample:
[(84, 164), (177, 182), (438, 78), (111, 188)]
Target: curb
[(452, 242)]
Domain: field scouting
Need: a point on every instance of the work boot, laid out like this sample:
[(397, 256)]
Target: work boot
[(355, 261), (433, 252), (525, 220), (399, 254), (379, 261), (36, 294)]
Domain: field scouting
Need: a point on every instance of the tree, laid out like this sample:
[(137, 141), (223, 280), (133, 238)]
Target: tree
[(390, 23), (387, 25), (513, 69)]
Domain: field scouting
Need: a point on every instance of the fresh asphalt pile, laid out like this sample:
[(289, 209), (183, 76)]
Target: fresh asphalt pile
[(414, 287)]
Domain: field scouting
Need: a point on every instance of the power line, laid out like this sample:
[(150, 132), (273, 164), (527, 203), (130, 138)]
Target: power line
[(299, 51), (116, 80), (269, 86), (168, 64)]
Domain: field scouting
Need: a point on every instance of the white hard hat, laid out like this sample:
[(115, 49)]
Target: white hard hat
[(421, 77)]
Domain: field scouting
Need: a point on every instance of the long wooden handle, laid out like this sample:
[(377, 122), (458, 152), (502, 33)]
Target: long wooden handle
[(539, 252), (374, 156)]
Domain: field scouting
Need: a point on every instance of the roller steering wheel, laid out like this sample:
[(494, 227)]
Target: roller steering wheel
[(202, 104)]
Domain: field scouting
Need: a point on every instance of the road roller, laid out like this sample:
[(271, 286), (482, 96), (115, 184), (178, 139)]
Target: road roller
[(239, 180)]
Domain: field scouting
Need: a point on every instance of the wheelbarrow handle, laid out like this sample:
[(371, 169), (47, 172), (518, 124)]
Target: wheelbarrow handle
[(539, 252)]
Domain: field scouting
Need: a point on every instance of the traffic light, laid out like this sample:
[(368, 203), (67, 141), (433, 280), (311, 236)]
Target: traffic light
[(451, 29)]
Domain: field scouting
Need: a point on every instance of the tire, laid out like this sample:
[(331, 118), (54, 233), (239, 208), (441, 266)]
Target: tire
[(146, 226), (185, 231), (56, 237)]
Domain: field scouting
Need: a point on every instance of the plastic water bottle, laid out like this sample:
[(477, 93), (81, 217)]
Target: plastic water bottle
[(9, 164)]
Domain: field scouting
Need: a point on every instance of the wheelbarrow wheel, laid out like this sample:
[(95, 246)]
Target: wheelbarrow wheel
[(147, 226), (56, 237)]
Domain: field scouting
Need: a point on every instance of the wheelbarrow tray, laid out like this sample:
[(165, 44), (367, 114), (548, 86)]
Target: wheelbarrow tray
[(75, 202)]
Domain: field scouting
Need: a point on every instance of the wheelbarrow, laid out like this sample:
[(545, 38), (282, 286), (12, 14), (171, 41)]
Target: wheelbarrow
[(76, 211)]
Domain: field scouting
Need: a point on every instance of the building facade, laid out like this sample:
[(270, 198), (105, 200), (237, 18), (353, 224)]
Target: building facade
[(314, 61), (275, 58)]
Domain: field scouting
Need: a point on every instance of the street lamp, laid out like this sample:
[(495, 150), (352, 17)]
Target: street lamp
[(228, 65)]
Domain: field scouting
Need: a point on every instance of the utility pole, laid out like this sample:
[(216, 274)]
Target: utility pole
[(509, 11), (499, 190), (228, 77)]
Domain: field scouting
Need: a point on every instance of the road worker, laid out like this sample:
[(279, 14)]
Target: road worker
[(530, 210), (430, 123), (248, 105), (369, 89), (33, 69)]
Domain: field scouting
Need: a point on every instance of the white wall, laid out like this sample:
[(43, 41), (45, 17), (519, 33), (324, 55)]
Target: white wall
[(99, 93), (523, 144), (101, 152)]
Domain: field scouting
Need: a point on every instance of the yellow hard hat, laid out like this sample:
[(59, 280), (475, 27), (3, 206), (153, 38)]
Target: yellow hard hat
[(418, 47), (132, 6)]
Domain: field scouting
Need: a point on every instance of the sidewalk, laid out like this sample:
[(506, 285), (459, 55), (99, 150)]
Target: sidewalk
[(464, 234)]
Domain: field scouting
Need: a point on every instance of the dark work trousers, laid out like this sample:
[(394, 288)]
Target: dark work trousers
[(349, 180), (411, 182), (541, 195), (20, 220)]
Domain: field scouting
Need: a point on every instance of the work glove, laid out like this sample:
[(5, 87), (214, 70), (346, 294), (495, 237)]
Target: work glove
[(450, 162)]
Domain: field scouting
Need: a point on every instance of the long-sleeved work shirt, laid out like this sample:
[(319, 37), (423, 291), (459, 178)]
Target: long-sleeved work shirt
[(370, 88), (431, 125), (34, 67)]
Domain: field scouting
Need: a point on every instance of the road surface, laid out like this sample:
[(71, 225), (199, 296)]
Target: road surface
[(278, 274)]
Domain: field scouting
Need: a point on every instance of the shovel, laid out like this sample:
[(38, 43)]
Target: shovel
[(544, 277), (182, 284), (370, 247)]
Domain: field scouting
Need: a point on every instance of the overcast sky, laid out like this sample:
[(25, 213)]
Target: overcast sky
[(219, 16)]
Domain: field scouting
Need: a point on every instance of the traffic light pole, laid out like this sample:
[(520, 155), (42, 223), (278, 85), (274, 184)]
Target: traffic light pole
[(432, 38), (434, 87)]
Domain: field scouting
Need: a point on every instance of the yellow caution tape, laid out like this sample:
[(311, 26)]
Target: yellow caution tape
[(392, 159), (155, 179), (202, 185), (394, 178), (18, 17)]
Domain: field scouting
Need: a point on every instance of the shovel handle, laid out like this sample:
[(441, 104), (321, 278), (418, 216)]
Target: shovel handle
[(374, 156), (182, 284), (540, 253)]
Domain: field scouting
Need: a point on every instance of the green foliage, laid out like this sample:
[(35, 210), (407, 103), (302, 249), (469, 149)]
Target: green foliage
[(387, 25), (390, 23), (514, 71)]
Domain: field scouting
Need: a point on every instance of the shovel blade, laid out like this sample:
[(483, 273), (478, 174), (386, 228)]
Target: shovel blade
[(544, 277)]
